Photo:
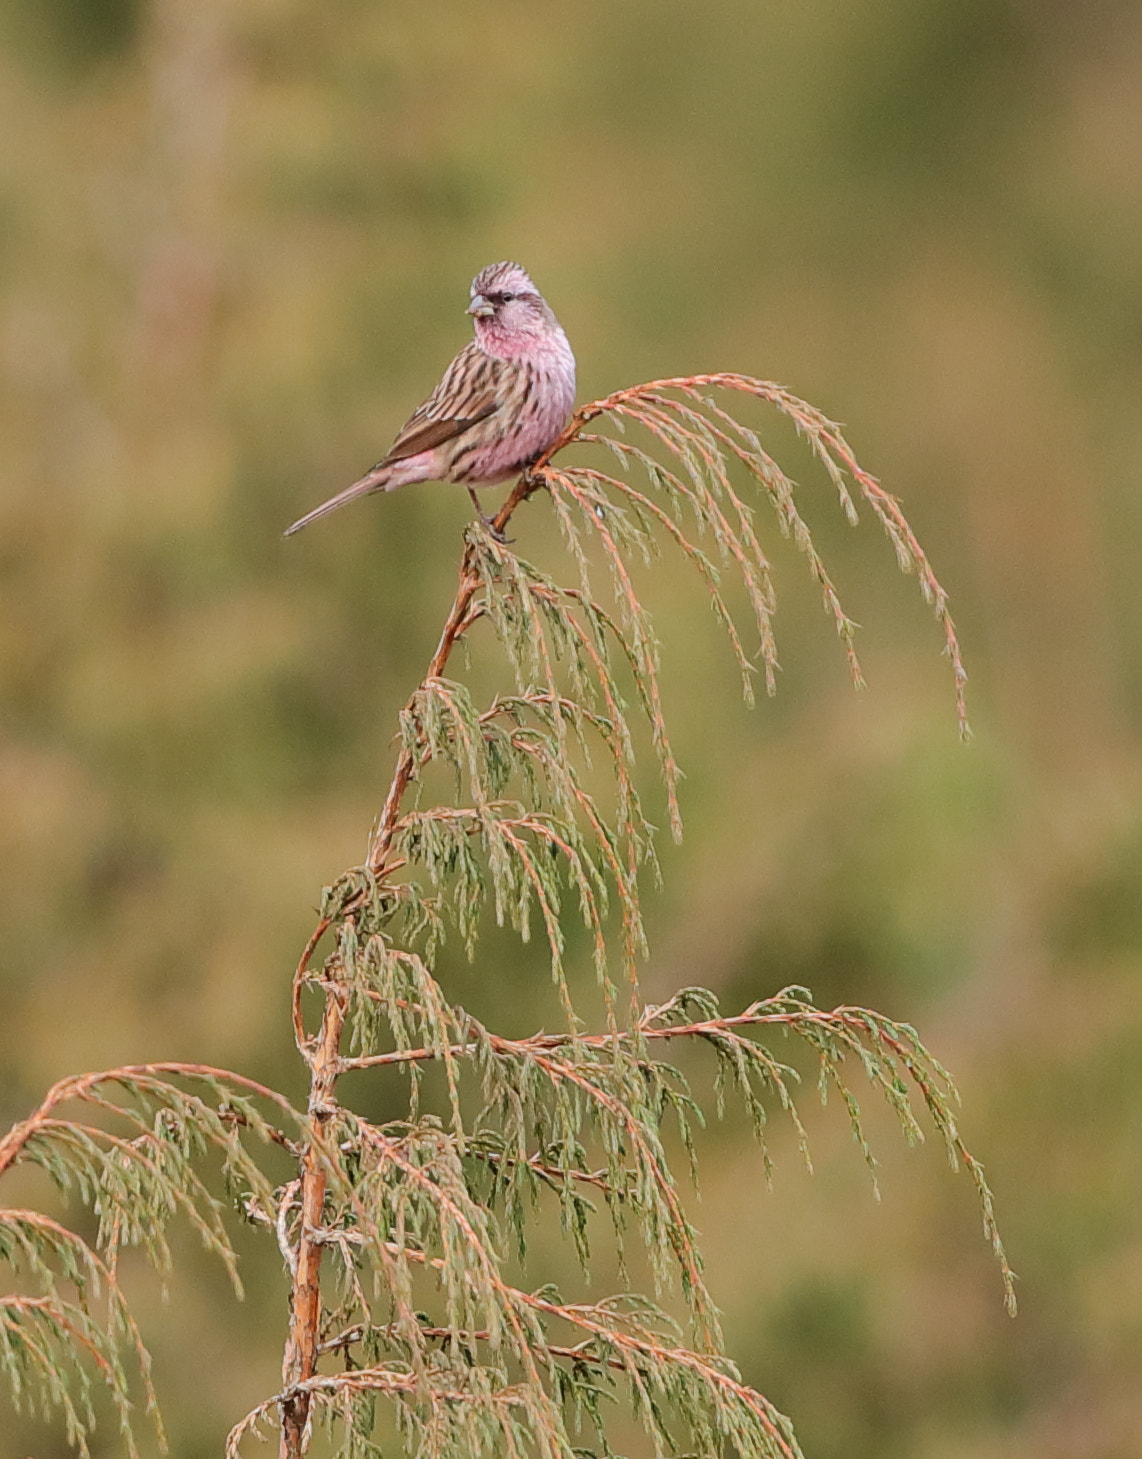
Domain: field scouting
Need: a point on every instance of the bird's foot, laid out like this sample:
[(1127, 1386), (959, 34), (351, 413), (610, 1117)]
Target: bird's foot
[(490, 522), (497, 533)]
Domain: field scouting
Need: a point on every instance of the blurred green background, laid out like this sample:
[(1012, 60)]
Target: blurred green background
[(236, 245)]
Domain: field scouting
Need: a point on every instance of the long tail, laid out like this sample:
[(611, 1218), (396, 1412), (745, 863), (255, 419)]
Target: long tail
[(374, 481)]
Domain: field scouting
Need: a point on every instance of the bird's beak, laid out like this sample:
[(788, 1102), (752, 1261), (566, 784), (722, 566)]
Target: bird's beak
[(481, 308)]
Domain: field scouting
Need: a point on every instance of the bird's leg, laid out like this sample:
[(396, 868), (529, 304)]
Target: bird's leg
[(489, 522)]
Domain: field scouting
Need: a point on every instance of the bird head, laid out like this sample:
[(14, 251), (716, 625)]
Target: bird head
[(506, 304)]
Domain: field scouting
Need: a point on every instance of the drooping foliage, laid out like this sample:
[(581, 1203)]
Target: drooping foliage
[(403, 1243)]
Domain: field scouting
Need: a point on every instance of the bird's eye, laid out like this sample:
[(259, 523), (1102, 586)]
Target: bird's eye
[(506, 298)]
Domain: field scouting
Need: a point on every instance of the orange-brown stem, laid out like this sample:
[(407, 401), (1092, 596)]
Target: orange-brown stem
[(323, 1052), (305, 1316)]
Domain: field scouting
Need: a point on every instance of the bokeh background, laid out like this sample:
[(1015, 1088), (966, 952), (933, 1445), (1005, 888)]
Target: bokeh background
[(236, 242)]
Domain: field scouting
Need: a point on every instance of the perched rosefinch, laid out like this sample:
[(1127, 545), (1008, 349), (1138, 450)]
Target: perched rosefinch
[(501, 403)]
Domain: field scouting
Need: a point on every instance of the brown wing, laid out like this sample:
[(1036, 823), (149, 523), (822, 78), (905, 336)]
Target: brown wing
[(470, 391), (423, 436), (467, 394)]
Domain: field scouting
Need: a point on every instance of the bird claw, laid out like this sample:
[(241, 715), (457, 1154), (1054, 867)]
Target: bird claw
[(495, 532)]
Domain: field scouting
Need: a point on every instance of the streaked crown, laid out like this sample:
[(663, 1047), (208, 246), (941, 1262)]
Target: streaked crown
[(504, 278)]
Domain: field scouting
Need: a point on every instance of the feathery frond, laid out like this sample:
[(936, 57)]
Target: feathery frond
[(401, 1242)]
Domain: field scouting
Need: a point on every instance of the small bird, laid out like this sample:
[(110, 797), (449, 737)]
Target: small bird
[(500, 404)]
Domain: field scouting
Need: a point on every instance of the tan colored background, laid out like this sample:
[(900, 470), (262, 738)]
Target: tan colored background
[(235, 248)]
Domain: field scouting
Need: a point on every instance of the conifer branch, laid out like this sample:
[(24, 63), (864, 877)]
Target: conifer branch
[(394, 1237)]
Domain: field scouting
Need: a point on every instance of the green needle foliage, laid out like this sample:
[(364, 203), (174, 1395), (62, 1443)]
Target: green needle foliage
[(401, 1243)]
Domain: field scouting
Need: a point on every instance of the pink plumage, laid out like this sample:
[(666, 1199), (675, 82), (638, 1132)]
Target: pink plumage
[(499, 405)]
